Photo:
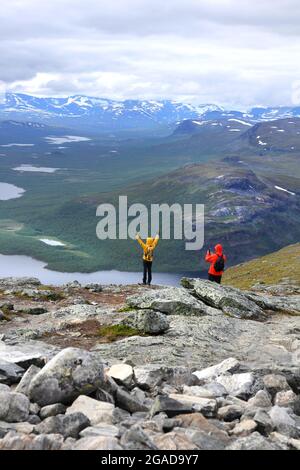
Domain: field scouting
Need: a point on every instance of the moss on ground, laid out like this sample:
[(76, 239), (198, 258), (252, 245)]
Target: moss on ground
[(115, 332), (269, 269)]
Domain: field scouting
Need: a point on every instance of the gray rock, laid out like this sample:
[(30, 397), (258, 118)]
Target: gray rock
[(13, 441), (128, 402), (238, 385), (96, 411), (171, 301), (176, 440), (171, 407), (204, 441), (23, 428), (228, 365), (14, 407), (52, 410), (152, 375), (253, 442), (283, 421), (10, 373), (23, 386), (26, 353), (231, 301), (206, 406), (148, 322), (34, 419), (67, 425), (260, 400), (244, 428), (106, 430), (287, 399), (275, 383), (70, 373), (34, 409), (230, 413), (211, 390), (264, 423), (8, 282), (4, 388), (137, 439), (97, 443), (121, 373)]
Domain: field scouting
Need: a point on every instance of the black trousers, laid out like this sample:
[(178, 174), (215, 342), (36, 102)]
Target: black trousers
[(147, 279), (213, 278)]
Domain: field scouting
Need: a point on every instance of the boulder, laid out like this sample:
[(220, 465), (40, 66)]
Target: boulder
[(230, 413), (96, 411), (13, 441), (231, 301), (205, 406), (238, 385), (26, 353), (254, 441), (229, 365), (121, 373), (70, 373), (286, 398), (52, 410), (170, 407), (264, 423), (171, 301), (244, 428), (10, 373), (175, 440), (107, 430), (129, 402), (283, 421), (14, 407), (275, 383), (211, 390), (152, 375), (148, 322), (260, 400), (97, 443), (23, 386), (67, 425)]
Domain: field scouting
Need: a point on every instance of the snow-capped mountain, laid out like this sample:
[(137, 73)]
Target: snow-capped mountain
[(97, 114), (101, 114)]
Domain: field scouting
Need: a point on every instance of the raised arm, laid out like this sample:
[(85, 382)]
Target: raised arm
[(209, 258), (138, 238), (156, 239)]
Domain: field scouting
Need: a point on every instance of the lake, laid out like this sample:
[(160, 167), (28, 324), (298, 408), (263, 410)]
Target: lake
[(19, 266)]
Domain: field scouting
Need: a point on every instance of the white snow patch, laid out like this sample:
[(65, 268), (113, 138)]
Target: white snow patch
[(49, 242), (36, 169), (67, 139), (18, 145), (240, 122), (234, 130), (285, 190)]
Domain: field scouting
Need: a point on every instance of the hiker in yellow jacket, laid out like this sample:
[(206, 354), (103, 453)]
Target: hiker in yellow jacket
[(148, 249)]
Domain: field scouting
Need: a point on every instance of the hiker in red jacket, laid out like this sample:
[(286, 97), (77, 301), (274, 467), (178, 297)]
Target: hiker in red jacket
[(217, 262)]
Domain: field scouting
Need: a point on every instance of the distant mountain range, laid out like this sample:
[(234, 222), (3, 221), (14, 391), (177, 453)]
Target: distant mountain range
[(105, 115)]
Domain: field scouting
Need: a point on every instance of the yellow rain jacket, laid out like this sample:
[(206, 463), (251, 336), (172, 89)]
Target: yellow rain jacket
[(148, 247)]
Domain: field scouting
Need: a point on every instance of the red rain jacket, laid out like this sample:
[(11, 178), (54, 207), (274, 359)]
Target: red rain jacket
[(212, 258)]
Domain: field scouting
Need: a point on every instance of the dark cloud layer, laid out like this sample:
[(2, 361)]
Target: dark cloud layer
[(233, 52)]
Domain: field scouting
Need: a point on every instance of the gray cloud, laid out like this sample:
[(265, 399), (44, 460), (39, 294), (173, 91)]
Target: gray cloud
[(230, 52)]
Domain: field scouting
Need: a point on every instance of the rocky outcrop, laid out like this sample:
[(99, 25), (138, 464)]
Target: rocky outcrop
[(157, 408), (71, 373), (231, 301), (208, 368)]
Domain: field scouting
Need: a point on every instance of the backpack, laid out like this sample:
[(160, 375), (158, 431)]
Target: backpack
[(149, 254), (219, 264)]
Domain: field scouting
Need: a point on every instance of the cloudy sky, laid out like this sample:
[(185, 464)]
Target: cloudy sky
[(236, 53)]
